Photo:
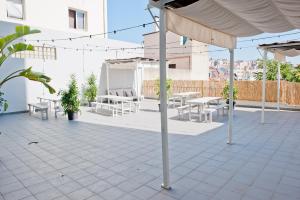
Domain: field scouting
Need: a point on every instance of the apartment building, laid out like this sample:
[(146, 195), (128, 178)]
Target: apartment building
[(57, 58), (74, 16), (187, 59)]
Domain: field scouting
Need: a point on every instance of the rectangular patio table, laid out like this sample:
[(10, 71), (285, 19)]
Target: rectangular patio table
[(50, 100), (115, 99), (183, 96), (200, 102)]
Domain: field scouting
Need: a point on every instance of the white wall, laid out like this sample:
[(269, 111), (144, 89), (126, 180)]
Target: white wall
[(118, 79), (53, 14), (68, 62)]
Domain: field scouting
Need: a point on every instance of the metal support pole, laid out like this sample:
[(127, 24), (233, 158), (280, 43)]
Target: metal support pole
[(149, 10), (137, 81), (264, 88), (163, 99), (278, 86), (230, 117), (43, 50), (107, 78)]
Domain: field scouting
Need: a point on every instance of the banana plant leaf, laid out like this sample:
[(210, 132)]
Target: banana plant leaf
[(20, 32), (38, 77), (14, 49)]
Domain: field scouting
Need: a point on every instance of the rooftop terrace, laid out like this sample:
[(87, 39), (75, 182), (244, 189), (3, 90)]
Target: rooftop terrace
[(100, 157)]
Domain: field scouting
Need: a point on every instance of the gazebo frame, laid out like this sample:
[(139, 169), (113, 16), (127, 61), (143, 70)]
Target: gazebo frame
[(219, 35), (280, 51)]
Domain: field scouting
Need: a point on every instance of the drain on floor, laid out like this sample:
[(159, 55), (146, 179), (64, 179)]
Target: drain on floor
[(32, 143)]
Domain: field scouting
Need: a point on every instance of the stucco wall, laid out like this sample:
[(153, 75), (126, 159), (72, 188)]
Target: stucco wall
[(68, 62), (53, 14), (190, 63)]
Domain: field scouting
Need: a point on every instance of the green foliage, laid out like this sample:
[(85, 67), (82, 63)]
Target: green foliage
[(225, 92), (296, 74), (19, 32), (70, 98), (6, 51), (169, 85), (91, 90), (287, 71)]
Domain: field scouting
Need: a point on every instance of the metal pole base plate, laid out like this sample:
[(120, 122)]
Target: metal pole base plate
[(165, 187)]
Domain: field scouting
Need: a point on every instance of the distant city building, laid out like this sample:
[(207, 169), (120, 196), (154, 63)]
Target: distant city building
[(243, 70)]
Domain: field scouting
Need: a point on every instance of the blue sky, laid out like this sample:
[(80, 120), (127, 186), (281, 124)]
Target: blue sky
[(122, 14)]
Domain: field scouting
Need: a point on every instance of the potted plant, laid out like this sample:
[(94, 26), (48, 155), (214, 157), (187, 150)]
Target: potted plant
[(169, 84), (70, 100), (225, 94), (91, 90)]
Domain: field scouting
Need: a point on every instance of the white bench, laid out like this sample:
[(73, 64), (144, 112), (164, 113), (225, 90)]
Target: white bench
[(136, 106), (39, 107), (208, 112), (111, 107), (222, 107), (58, 109), (173, 100), (181, 110)]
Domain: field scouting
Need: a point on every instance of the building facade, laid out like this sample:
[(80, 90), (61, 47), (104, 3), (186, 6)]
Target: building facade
[(57, 58), (187, 59), (74, 16)]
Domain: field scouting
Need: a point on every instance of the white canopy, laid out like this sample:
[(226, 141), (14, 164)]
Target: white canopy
[(289, 49), (219, 22), (280, 50)]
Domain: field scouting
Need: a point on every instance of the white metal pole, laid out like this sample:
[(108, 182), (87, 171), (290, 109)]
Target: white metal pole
[(43, 50), (163, 99), (230, 117), (137, 81), (264, 88), (278, 86), (107, 78)]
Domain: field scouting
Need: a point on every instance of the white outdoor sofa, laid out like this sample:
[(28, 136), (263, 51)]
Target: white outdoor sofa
[(126, 92)]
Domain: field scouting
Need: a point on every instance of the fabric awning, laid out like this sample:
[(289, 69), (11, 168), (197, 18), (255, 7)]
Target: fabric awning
[(219, 22), (290, 49)]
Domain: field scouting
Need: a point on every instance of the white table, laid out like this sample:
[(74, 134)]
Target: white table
[(200, 102), (49, 100), (183, 96), (115, 99)]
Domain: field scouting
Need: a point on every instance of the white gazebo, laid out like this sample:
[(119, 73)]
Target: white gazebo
[(220, 23), (124, 74), (280, 51)]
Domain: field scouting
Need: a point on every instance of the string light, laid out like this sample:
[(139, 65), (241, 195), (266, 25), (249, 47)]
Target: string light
[(153, 47), (269, 37), (94, 35)]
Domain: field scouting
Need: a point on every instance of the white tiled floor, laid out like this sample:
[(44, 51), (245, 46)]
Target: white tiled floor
[(99, 157)]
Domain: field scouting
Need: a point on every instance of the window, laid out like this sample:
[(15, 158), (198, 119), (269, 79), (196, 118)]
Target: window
[(77, 19), (80, 20), (72, 19), (40, 52), (172, 66), (15, 9)]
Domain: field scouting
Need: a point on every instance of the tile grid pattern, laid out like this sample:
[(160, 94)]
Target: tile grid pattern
[(80, 160)]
